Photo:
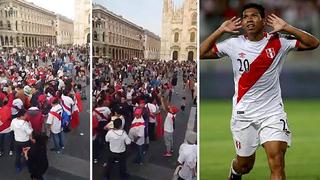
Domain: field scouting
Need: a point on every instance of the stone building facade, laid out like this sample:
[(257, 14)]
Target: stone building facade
[(115, 37), (179, 31), (23, 24), (64, 30), (82, 22), (152, 44)]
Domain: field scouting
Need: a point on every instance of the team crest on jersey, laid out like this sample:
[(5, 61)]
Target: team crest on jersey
[(270, 52)]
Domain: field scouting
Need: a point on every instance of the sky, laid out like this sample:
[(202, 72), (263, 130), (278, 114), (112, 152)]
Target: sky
[(144, 13), (63, 7)]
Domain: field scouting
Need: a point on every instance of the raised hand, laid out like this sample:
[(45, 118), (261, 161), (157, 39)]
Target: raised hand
[(276, 23), (231, 26)]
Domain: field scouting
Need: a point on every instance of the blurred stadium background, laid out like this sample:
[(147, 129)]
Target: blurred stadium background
[(300, 83)]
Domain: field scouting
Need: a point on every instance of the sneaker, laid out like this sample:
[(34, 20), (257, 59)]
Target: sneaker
[(167, 154), (81, 134), (62, 147), (233, 176), (10, 153), (58, 152), (1, 153), (18, 169), (104, 164), (95, 161)]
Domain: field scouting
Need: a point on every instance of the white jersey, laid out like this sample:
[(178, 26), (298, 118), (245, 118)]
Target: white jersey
[(67, 104), (256, 68)]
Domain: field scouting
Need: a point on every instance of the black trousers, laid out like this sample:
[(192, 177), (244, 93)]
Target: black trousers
[(11, 140), (18, 148), (122, 158), (151, 131)]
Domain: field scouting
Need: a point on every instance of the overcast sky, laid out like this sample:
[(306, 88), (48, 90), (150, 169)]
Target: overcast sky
[(145, 13), (63, 7)]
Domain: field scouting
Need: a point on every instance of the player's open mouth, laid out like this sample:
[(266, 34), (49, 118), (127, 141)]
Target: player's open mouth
[(250, 26)]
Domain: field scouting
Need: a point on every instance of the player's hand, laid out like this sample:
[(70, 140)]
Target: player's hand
[(276, 23), (231, 26)]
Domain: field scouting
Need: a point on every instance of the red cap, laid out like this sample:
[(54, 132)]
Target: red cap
[(173, 109), (138, 112)]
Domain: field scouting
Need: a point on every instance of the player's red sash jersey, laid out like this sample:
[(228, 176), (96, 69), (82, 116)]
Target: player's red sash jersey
[(256, 68)]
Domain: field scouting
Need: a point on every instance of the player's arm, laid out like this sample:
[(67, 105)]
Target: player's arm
[(229, 26), (307, 41)]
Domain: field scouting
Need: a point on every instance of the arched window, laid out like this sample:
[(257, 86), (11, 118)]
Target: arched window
[(1, 24), (192, 37), (9, 25), (103, 35), (176, 37), (194, 19), (95, 36)]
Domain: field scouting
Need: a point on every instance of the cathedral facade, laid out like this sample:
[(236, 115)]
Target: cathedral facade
[(82, 22), (179, 31)]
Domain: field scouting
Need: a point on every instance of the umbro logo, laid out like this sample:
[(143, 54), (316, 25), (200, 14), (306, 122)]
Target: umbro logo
[(270, 53), (242, 55)]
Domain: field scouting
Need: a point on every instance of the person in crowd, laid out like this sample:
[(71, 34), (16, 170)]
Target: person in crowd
[(22, 135), (36, 156), (54, 123), (118, 140), (188, 157), (136, 133)]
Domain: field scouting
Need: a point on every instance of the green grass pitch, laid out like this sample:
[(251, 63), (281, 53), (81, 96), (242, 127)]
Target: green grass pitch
[(217, 150)]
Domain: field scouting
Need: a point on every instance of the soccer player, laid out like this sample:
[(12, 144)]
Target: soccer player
[(258, 116)]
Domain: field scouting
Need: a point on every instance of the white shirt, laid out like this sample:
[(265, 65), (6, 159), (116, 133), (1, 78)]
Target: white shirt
[(105, 111), (168, 123), (188, 159), (256, 67), (152, 109), (129, 95), (68, 104), (137, 130), (118, 140), (61, 84), (53, 120), (22, 130)]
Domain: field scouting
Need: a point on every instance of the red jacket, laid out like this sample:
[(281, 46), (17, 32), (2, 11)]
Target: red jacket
[(35, 117), (5, 112)]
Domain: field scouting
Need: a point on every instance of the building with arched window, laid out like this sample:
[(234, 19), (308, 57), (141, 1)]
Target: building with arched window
[(114, 36), (25, 24), (179, 31), (64, 30)]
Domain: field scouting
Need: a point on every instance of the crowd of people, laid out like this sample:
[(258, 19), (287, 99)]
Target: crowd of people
[(41, 93), (132, 104)]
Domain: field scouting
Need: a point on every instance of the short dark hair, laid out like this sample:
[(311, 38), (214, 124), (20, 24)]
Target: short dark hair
[(21, 112), (117, 123), (259, 7)]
